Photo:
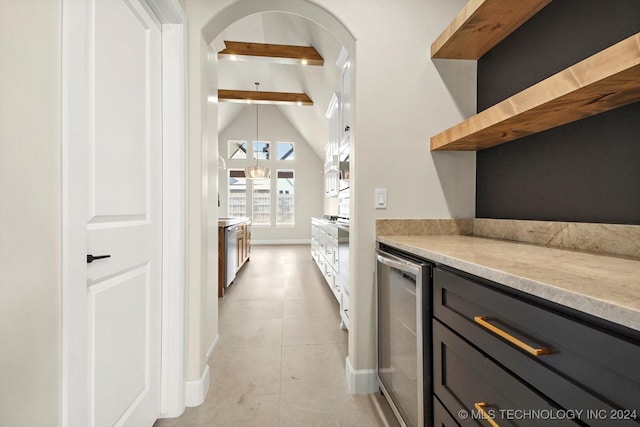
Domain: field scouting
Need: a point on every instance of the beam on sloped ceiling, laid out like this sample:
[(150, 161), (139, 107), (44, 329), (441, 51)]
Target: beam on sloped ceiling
[(255, 97), (274, 53)]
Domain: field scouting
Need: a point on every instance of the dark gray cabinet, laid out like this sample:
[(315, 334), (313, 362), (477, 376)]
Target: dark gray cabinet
[(473, 386), (441, 417), (497, 346)]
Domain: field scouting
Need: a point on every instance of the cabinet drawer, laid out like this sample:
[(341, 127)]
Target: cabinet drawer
[(442, 418), (330, 254), (344, 306), (328, 274), (465, 381), (586, 368)]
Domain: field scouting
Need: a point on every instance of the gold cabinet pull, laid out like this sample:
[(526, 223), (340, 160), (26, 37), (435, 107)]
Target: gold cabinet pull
[(480, 408), (482, 321)]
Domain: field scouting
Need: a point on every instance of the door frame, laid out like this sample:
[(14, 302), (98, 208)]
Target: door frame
[(74, 95)]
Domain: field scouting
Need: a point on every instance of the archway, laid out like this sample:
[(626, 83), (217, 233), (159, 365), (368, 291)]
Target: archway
[(213, 19)]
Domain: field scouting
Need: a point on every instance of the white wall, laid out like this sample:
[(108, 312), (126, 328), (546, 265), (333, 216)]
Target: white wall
[(30, 334), (399, 99), (309, 183), (209, 224), (202, 266), (202, 206)]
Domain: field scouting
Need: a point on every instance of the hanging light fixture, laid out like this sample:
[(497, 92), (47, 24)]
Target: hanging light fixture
[(257, 171)]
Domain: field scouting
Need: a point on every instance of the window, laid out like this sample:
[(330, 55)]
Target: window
[(237, 193), (237, 150), (261, 150), (261, 201), (269, 202), (285, 151), (285, 200)]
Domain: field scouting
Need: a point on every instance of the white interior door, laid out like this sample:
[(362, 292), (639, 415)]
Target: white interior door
[(117, 206)]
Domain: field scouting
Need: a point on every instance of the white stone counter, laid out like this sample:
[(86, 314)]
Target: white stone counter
[(602, 285), (227, 222)]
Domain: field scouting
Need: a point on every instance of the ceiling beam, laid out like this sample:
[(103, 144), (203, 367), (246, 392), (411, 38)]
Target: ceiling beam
[(254, 97), (274, 53)]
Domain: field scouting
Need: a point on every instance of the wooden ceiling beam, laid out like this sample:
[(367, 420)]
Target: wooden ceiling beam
[(254, 97), (274, 53)]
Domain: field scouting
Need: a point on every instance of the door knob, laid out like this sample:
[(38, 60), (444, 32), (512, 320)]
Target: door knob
[(91, 258)]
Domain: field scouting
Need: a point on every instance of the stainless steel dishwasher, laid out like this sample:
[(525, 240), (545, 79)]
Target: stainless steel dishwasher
[(404, 335), (231, 255)]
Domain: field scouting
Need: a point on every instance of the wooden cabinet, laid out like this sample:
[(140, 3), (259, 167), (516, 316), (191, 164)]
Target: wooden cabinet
[(497, 346), (243, 247), (222, 270), (241, 253)]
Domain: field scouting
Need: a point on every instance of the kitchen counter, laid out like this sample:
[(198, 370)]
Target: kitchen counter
[(227, 222), (342, 223), (602, 285)]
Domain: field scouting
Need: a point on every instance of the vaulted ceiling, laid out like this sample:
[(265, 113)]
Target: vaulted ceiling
[(318, 82)]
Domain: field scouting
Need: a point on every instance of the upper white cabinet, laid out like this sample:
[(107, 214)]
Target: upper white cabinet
[(345, 99), (332, 149), (339, 118)]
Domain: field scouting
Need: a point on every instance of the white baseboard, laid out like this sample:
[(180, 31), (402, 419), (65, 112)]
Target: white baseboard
[(213, 344), (281, 242), (196, 391), (362, 381)]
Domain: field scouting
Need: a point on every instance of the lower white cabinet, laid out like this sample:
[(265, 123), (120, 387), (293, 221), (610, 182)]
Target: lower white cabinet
[(325, 250)]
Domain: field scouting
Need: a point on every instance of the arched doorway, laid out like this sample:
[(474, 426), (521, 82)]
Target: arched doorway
[(210, 20)]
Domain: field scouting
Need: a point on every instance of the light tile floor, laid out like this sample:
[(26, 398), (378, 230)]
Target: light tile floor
[(281, 356)]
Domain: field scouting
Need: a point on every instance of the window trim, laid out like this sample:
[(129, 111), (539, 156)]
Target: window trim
[(293, 194)]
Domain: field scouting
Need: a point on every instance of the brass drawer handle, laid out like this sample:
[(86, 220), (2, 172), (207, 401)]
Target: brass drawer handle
[(482, 321), (480, 408)]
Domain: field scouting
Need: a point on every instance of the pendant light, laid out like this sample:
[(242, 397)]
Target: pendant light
[(257, 171)]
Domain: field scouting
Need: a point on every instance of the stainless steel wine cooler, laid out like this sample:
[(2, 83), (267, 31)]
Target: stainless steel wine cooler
[(404, 335)]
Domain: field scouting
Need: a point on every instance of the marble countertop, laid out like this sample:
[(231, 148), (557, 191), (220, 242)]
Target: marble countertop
[(227, 222), (605, 286), (340, 223)]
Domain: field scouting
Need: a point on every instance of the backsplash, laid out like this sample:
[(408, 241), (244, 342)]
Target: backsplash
[(611, 239), (608, 238), (424, 227)]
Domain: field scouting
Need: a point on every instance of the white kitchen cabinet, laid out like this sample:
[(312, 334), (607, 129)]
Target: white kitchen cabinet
[(328, 243), (332, 149), (345, 98)]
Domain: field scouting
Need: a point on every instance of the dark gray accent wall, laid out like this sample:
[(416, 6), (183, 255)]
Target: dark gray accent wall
[(586, 171)]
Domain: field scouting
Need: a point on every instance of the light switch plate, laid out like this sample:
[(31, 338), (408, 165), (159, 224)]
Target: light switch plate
[(381, 198)]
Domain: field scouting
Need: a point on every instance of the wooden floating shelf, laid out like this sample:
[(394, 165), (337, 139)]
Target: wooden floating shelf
[(602, 82), (481, 25), (254, 97), (274, 53)]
